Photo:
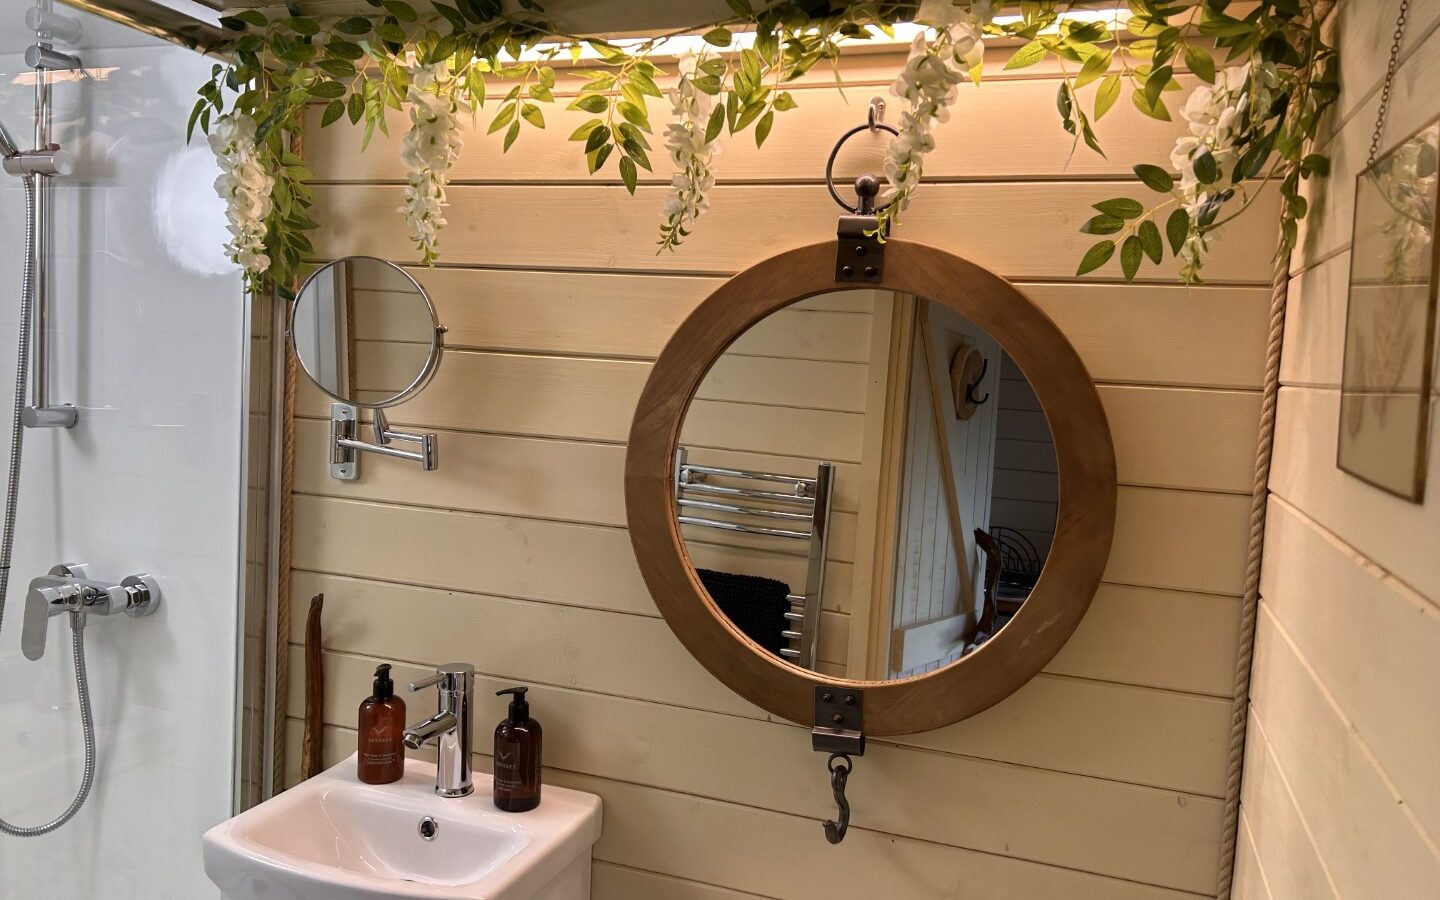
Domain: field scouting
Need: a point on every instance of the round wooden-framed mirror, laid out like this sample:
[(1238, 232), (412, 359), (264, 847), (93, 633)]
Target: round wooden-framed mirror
[(979, 671)]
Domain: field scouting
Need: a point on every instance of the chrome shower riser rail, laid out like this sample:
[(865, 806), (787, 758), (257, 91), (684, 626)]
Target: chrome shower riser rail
[(7, 535)]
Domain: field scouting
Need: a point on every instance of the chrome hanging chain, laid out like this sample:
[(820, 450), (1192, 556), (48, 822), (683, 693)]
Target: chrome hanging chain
[(1389, 80)]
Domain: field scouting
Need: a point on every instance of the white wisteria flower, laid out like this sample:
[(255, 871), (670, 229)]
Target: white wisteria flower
[(691, 153), (429, 149), (245, 185), (1217, 115), (929, 85)]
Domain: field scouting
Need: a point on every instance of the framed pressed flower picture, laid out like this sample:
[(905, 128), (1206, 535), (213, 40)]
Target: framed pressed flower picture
[(1387, 393)]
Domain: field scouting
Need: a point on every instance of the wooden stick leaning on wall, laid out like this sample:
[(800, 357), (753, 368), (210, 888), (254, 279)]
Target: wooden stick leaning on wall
[(312, 759)]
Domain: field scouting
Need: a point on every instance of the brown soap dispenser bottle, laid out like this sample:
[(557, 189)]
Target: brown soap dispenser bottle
[(517, 756), (382, 729)]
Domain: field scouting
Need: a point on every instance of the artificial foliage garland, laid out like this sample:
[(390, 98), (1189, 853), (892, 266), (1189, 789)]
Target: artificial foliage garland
[(1268, 76)]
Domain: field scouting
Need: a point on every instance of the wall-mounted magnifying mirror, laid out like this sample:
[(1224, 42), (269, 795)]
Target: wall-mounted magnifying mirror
[(866, 485), (366, 333)]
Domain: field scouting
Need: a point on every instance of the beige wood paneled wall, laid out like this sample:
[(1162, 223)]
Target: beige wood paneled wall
[(1341, 795), (1102, 779)]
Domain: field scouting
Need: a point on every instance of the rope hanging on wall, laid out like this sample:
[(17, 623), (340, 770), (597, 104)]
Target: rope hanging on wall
[(1259, 499)]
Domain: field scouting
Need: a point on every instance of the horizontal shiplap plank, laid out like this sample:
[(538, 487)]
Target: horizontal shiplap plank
[(619, 230), (1151, 334), (1359, 825), (612, 882), (1164, 436), (957, 801), (1183, 540), (1113, 731), (785, 855), (1305, 475), (1344, 615), (1169, 437)]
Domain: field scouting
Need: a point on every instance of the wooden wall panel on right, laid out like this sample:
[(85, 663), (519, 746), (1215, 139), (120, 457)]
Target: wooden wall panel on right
[(1341, 795)]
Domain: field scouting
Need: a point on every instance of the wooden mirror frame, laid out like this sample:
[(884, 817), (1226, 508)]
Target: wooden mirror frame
[(1085, 519)]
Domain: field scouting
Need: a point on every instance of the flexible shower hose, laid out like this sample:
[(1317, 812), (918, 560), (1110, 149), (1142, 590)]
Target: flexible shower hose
[(7, 537)]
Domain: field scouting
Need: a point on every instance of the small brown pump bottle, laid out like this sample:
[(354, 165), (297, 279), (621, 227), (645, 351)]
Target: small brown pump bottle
[(517, 756), (382, 727)]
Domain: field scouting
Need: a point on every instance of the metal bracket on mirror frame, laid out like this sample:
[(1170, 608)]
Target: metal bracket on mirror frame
[(840, 731), (345, 443)]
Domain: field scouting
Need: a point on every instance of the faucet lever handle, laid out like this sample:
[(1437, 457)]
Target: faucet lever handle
[(38, 601), (427, 681)]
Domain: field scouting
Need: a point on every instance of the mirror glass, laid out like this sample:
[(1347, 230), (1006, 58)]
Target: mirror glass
[(866, 485), (365, 332), (1384, 404)]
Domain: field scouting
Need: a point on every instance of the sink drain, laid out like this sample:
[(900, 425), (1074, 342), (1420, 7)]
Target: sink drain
[(428, 828)]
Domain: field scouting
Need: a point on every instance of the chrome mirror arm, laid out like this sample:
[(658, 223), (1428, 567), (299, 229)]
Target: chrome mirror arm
[(346, 445)]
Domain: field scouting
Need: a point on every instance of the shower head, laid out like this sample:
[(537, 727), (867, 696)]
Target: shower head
[(8, 147)]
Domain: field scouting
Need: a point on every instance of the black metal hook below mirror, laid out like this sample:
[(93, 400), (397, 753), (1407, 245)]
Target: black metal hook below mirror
[(970, 388), (840, 767)]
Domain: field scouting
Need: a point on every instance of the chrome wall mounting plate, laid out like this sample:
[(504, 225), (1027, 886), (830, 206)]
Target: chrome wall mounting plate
[(346, 445)]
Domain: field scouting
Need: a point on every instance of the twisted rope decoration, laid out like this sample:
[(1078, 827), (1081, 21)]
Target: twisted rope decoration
[(1250, 600)]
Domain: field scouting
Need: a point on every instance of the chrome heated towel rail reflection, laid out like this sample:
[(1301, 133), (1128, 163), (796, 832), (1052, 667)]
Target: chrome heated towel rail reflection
[(756, 503)]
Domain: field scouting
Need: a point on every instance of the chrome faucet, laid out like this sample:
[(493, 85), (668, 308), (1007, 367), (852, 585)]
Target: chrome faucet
[(68, 588), (449, 728)]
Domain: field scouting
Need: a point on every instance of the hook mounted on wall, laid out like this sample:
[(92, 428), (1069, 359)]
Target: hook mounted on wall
[(839, 731)]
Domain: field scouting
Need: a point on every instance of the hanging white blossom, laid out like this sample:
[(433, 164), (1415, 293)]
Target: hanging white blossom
[(1217, 116), (429, 149), (929, 85), (244, 184), (690, 152)]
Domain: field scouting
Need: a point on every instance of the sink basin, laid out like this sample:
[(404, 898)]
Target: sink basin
[(334, 838)]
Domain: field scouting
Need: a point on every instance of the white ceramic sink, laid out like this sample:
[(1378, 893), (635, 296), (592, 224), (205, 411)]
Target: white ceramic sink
[(334, 838)]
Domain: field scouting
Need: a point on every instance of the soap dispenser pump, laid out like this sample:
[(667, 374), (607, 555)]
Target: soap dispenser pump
[(382, 728), (517, 756)]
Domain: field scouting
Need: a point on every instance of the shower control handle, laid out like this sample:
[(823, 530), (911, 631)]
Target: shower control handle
[(67, 589)]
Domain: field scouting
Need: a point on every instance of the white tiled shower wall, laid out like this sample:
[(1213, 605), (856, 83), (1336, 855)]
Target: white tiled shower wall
[(147, 340)]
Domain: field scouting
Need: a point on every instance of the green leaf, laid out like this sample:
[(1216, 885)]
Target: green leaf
[(531, 113), (1150, 240), (1103, 224), (353, 25), (1155, 178), (303, 25), (719, 37), (1096, 257), (597, 139), (1121, 207), (633, 114), (355, 109), (1205, 168), (783, 101), (1200, 62), (400, 10), (1154, 110), (200, 106), (762, 128), (327, 90), (1096, 65), (597, 159), (645, 83), (333, 111), (584, 131), (1315, 163), (391, 32), (340, 68), (1130, 253), (1177, 229), (591, 103), (510, 135), (1028, 55), (344, 49), (1156, 83), (502, 118), (716, 123), (628, 173), (1106, 94)]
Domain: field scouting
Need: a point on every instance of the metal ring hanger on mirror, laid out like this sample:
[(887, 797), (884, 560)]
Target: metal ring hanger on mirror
[(874, 121)]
